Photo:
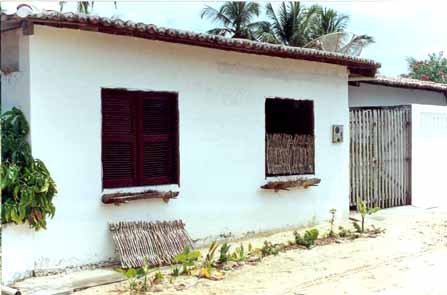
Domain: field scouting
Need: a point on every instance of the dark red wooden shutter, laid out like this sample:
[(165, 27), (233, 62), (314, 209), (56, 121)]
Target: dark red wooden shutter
[(158, 138), (119, 147)]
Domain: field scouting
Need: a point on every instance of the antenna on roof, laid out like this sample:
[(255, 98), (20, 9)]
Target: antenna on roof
[(24, 10), (341, 42)]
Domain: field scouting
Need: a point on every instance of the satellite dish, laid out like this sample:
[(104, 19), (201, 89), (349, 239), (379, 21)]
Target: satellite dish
[(24, 10), (341, 42)]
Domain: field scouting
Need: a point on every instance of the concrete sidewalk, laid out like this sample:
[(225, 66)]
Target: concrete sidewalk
[(68, 283)]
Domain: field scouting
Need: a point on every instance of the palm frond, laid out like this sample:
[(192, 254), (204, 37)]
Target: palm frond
[(215, 15), (233, 16), (219, 31)]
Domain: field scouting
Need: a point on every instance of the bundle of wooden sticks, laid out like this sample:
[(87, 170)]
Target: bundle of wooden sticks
[(158, 241)]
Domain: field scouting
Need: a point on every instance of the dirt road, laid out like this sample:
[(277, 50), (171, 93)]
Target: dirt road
[(410, 258)]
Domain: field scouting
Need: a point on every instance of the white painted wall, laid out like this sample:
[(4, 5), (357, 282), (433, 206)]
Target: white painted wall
[(379, 95), (221, 102), (429, 156), (18, 254)]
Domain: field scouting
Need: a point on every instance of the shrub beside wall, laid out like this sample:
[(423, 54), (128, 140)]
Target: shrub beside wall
[(27, 187)]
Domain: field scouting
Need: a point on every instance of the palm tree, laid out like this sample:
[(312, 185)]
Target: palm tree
[(235, 18), (82, 6), (328, 20), (291, 25)]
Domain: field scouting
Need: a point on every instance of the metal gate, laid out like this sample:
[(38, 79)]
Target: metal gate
[(381, 156)]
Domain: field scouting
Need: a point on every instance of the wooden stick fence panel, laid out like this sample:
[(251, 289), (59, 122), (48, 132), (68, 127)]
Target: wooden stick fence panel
[(380, 156), (158, 242), (288, 154)]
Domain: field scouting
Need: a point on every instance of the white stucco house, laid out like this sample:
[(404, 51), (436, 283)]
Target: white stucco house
[(117, 106)]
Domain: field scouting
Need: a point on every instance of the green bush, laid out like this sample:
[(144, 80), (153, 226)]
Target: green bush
[(27, 187), (309, 238), (270, 249)]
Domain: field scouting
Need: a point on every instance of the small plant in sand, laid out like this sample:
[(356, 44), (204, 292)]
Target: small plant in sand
[(132, 275), (343, 232), (209, 258), (206, 267), (253, 254), (224, 253), (331, 233), (239, 254), (357, 227), (175, 272), (250, 248), (309, 238), (158, 277), (376, 230), (363, 209), (270, 249), (138, 277), (187, 260)]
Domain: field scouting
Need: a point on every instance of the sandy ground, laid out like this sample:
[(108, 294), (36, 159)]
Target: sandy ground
[(409, 258)]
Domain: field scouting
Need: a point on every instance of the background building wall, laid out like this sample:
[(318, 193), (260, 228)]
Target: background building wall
[(429, 156), (222, 129), (379, 95)]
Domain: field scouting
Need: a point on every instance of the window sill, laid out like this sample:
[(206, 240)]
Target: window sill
[(278, 185), (121, 198)]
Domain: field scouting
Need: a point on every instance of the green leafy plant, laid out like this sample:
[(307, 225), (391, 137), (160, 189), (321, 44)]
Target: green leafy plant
[(357, 227), (175, 272), (309, 238), (270, 249), (187, 259), (145, 271), (158, 277), (132, 275), (138, 277), (363, 209), (206, 268), (253, 253), (332, 221), (224, 253), (209, 258), (27, 187), (239, 254)]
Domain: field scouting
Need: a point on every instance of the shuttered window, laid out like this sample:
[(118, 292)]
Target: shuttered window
[(139, 138)]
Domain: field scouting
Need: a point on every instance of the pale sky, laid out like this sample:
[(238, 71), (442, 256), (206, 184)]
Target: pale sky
[(401, 28)]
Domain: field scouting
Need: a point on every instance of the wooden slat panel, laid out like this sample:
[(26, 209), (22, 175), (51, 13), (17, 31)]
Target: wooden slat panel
[(118, 139), (380, 156), (289, 154), (158, 138)]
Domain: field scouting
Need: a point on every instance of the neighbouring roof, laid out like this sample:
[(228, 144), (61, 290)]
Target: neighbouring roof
[(356, 65), (407, 83)]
